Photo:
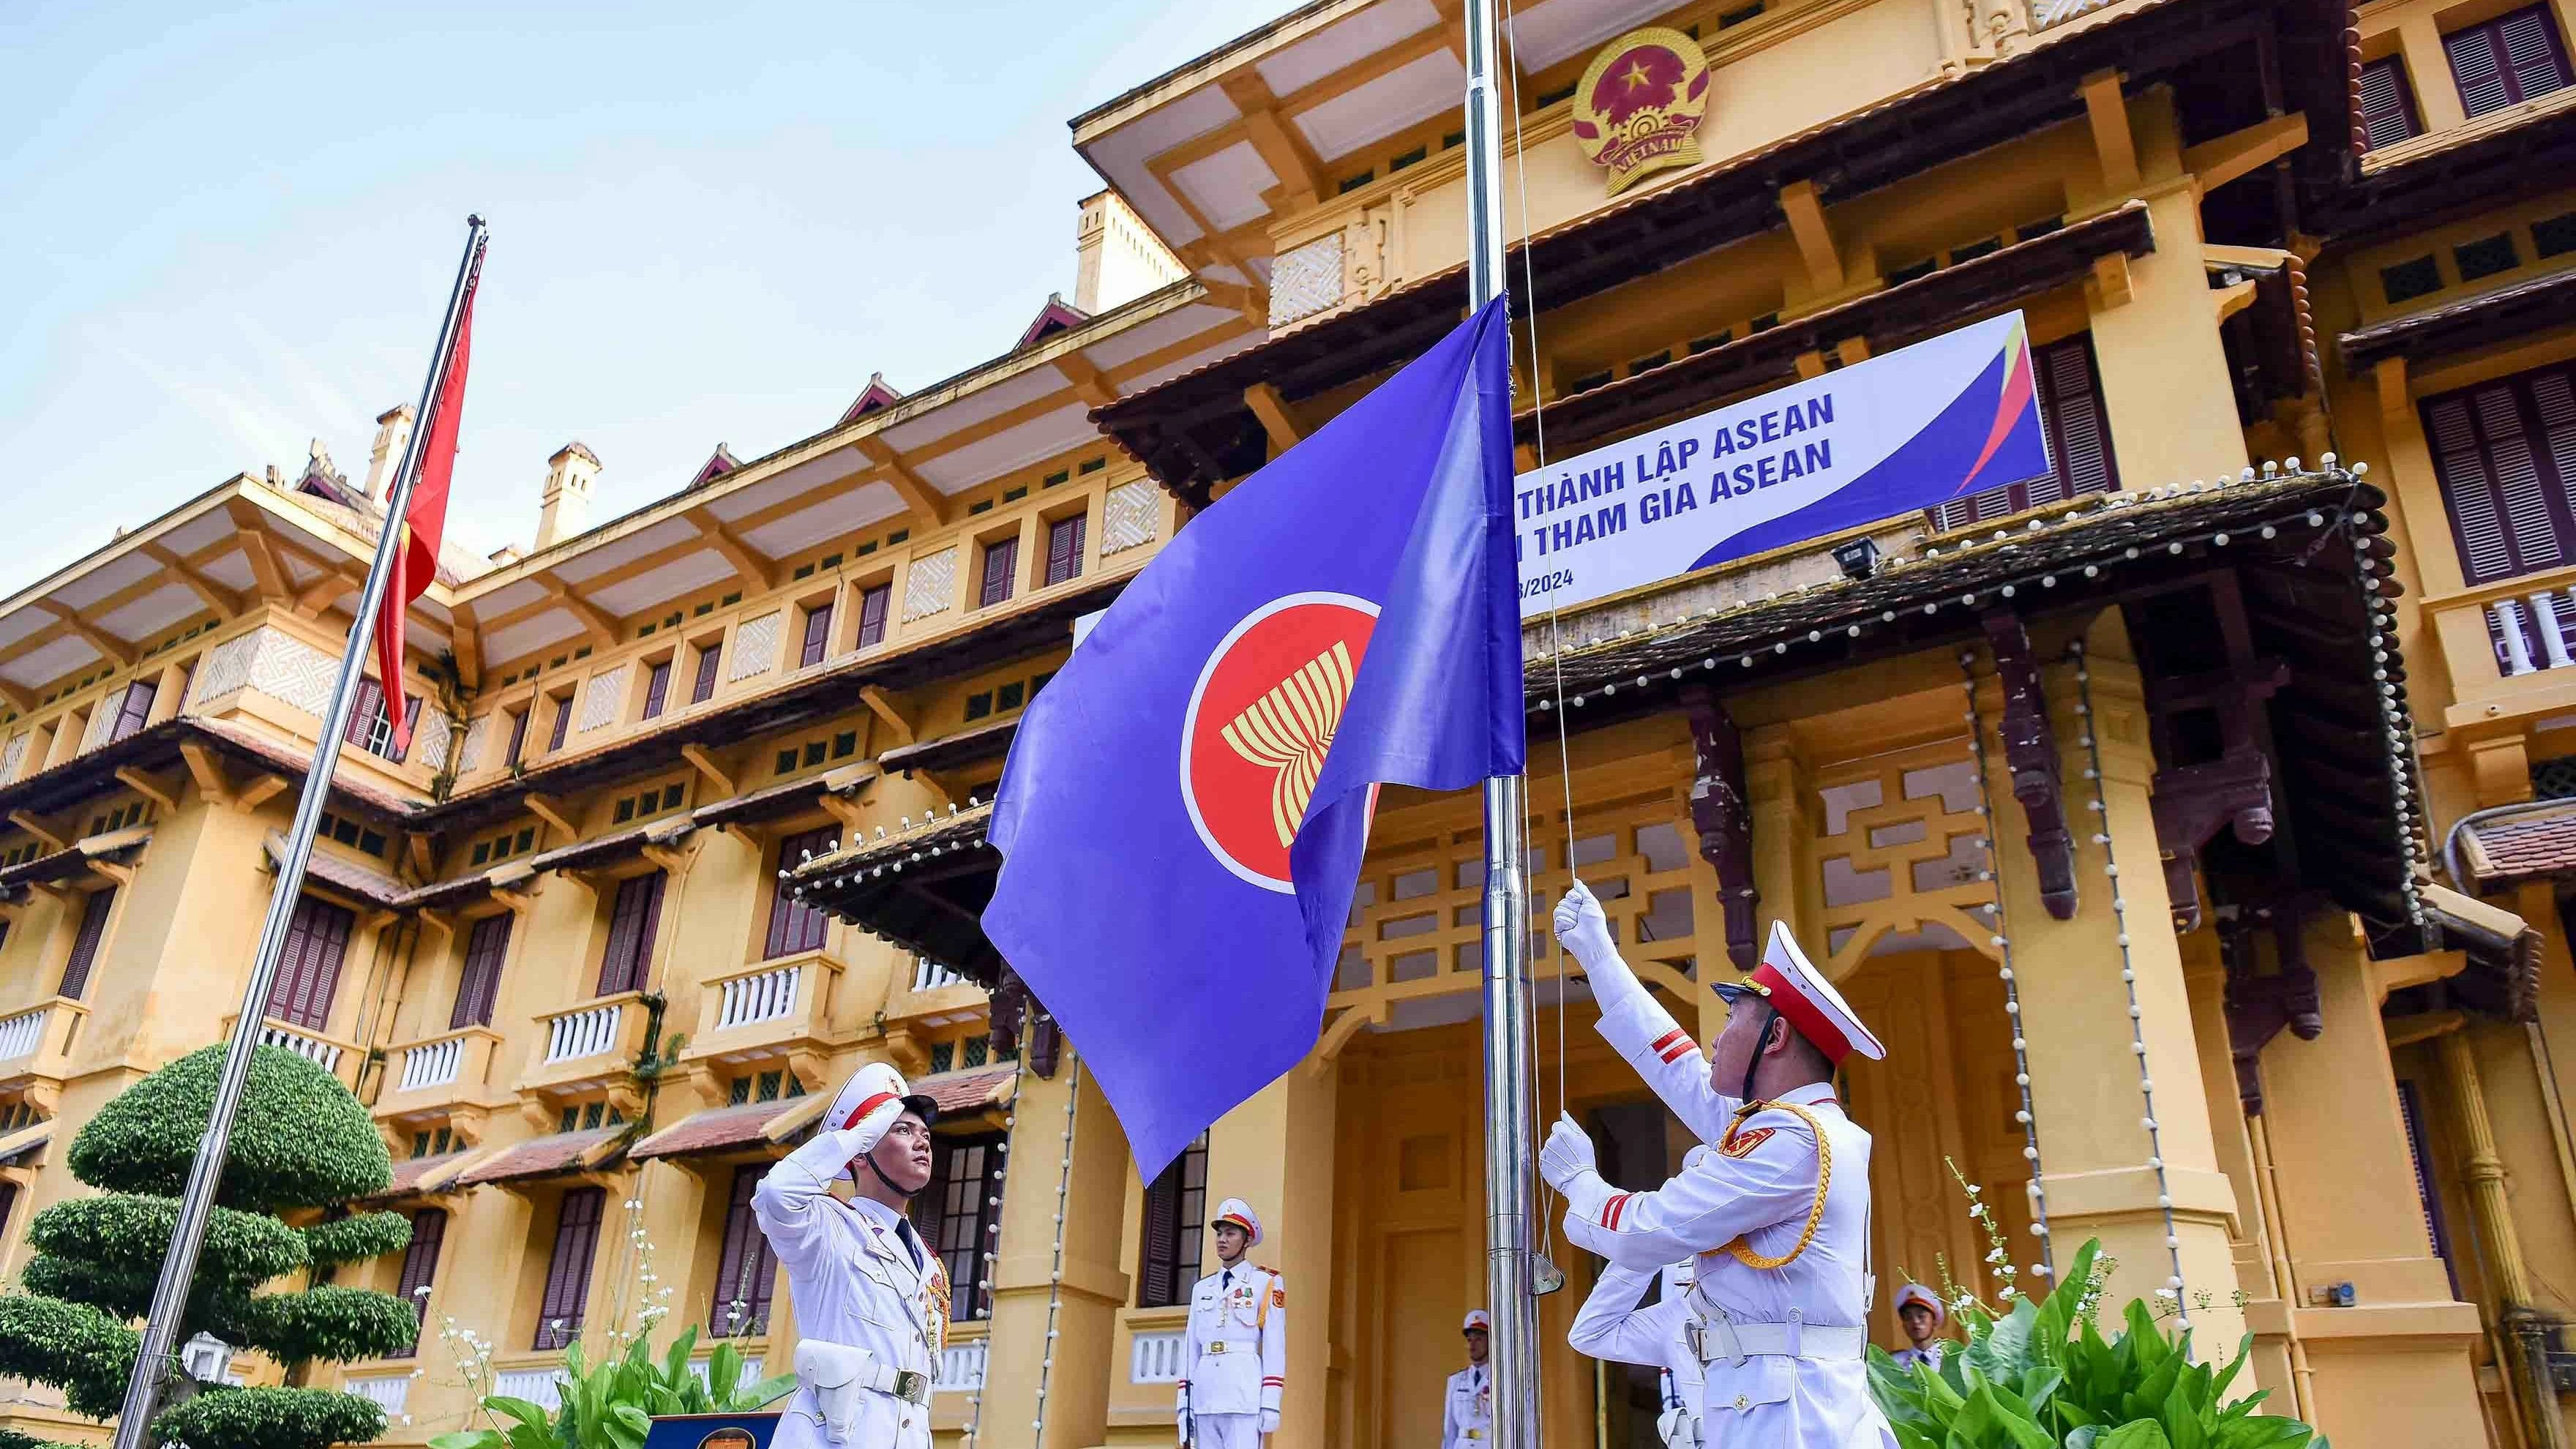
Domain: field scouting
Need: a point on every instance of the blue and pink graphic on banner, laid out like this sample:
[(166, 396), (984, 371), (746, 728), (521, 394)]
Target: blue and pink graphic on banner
[(1942, 419)]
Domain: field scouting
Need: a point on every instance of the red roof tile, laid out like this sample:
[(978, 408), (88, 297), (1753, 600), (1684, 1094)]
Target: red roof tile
[(411, 1172), (720, 1130), (2522, 847), (545, 1156), (968, 1091)]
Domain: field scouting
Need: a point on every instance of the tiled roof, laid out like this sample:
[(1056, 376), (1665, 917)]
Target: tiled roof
[(934, 835), (2477, 321), (972, 1090), (372, 886), (426, 1174), (548, 1156), (2521, 847), (726, 1128)]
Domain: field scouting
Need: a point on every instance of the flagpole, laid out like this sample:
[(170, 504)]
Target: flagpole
[(1510, 1155), (169, 1298)]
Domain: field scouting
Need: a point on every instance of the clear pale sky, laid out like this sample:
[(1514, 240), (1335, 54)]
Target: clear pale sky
[(227, 231)]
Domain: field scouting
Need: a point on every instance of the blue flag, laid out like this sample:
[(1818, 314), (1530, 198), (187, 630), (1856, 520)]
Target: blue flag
[(1185, 807)]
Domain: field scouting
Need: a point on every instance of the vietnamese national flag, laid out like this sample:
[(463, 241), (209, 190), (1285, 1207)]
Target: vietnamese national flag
[(424, 520)]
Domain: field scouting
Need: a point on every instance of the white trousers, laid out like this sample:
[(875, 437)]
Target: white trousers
[(1226, 1431)]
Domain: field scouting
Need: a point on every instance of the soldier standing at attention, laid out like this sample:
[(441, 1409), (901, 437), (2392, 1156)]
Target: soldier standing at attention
[(1920, 1310), (1777, 1215), (1235, 1352), (1469, 1418)]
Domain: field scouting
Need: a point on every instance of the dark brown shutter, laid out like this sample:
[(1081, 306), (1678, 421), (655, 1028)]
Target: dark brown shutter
[(793, 925), (8, 1205), (818, 635), (317, 943), (563, 723), (2387, 104), (1064, 549), (705, 687), (93, 928), (420, 1268), (479, 987), (1154, 1285), (365, 714), (657, 687), (746, 1271), (135, 710), (2079, 441), (872, 614), (2507, 60), (2505, 455), (632, 921), (568, 1271), (1001, 560), (519, 734)]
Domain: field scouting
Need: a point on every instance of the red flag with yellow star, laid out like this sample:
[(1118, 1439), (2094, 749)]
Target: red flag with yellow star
[(424, 520)]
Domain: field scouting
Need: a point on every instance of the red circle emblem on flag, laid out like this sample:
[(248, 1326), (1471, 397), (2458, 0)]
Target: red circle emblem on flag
[(1260, 722)]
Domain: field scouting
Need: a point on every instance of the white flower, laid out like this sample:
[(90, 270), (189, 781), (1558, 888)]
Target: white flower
[(2166, 1294)]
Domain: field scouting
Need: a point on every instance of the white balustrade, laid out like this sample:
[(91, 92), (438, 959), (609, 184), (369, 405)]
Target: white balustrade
[(1155, 1358), (312, 1048), (961, 1367), (765, 997), (22, 1034), (583, 1033), (542, 1387), (389, 1392), (929, 975), (432, 1064), (2530, 634)]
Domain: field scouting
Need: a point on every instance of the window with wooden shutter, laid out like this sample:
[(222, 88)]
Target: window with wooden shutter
[(2079, 441), (793, 925), (563, 722), (136, 708), (420, 1269), (308, 971), (568, 1268), (519, 735), (746, 1270), (872, 613), (2507, 60), (2387, 104), (1064, 549), (1175, 1215), (2505, 454), (478, 987), (632, 921), (1001, 561), (365, 714), (956, 1213), (8, 1207), (704, 688), (657, 688), (93, 930), (818, 635)]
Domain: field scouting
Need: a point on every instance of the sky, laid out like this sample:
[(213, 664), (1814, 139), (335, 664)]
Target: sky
[(227, 231)]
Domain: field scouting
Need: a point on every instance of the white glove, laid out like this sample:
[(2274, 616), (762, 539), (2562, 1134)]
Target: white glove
[(1673, 1426), (1567, 1155), (1270, 1421), (1584, 930)]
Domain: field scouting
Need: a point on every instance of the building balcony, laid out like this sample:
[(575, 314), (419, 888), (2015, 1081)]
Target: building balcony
[(340, 1058), (447, 1075), (2510, 646), (931, 995), (762, 1010), (594, 1042), (36, 1047)]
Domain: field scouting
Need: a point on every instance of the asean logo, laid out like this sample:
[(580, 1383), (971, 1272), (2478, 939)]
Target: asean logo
[(1260, 723), (1639, 107)]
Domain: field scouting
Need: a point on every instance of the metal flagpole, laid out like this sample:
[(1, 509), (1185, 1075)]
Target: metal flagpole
[(1510, 1155), (169, 1298)]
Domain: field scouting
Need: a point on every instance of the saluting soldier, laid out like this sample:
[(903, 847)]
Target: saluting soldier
[(1468, 1419), (871, 1300), (1235, 1352), (1777, 1216)]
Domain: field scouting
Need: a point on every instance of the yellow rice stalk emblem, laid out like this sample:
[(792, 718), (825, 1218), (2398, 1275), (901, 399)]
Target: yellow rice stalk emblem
[(1290, 729)]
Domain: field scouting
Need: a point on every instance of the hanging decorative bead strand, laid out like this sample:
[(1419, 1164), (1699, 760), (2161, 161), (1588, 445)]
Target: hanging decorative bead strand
[(988, 1255), (1055, 1275)]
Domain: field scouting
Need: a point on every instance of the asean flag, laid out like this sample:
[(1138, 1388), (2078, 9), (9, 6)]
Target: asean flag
[(1185, 807), (424, 520)]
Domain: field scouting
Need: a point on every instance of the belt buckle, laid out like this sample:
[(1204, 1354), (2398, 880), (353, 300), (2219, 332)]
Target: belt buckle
[(911, 1386), (1216, 1346)]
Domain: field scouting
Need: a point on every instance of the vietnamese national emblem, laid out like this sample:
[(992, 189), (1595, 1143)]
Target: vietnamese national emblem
[(1261, 723), (1639, 106)]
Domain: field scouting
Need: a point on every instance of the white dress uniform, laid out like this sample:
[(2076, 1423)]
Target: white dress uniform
[(1467, 1412), (871, 1300), (1235, 1350), (1931, 1353), (1777, 1218), (1612, 1326)]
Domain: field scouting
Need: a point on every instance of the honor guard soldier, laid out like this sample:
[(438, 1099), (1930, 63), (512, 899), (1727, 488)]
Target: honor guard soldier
[(1612, 1326), (1777, 1216), (1235, 1351), (1919, 1309), (871, 1300), (1469, 1418)]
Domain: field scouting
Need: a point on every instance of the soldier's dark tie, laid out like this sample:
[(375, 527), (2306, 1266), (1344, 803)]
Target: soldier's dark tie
[(903, 1230)]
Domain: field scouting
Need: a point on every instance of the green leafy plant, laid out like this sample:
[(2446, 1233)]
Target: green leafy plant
[(2042, 1377), (302, 1143), (610, 1405)]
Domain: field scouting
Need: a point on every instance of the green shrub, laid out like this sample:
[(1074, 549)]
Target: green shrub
[(229, 1418), (301, 1139), (611, 1406)]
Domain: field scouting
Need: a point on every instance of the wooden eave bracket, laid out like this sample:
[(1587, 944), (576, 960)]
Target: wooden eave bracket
[(1089, 383), (1806, 213), (552, 811), (1278, 417), (756, 573), (223, 601), (603, 629), (2216, 162), (1722, 815), (2109, 284), (2031, 753), (2113, 145), (258, 792), (52, 839), (96, 637), (151, 787), (267, 574), (882, 703), (917, 495), (1282, 150), (716, 775)]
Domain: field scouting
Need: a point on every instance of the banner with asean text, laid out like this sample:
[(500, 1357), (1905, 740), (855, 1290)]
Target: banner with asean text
[(1950, 416)]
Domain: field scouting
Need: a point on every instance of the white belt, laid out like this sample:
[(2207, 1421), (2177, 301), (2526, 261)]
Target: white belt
[(1716, 1338)]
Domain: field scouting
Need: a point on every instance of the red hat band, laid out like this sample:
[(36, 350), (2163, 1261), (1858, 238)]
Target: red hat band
[(859, 1113), (1814, 1025)]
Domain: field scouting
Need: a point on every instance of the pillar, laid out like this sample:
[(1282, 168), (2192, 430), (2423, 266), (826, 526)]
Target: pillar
[(2395, 1367), (1065, 1181), (1276, 1152), (2252, 1243), (2528, 1335), (2096, 1153)]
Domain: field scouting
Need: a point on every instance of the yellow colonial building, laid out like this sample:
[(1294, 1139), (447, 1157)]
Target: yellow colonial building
[(2193, 822)]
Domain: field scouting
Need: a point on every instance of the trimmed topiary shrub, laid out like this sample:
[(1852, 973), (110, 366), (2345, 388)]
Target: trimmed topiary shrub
[(302, 1142)]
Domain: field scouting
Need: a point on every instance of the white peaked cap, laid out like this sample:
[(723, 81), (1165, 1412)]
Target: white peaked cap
[(1478, 1320), (871, 1087), (1799, 992), (1238, 1212), (1917, 1293)]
